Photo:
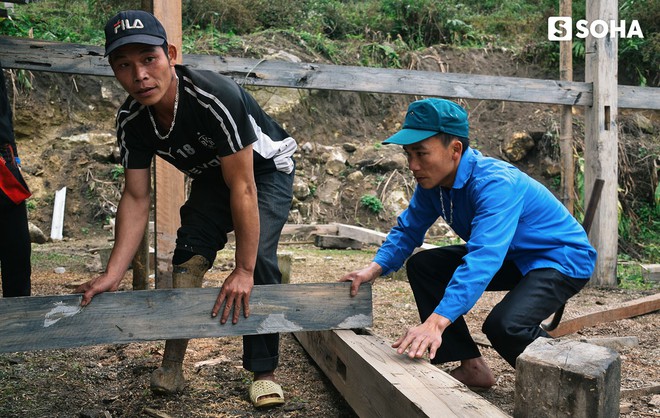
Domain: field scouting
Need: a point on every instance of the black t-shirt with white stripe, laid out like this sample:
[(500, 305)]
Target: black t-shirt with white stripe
[(215, 118)]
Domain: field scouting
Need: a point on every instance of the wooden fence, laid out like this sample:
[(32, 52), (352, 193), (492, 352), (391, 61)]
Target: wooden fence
[(66, 58), (600, 109)]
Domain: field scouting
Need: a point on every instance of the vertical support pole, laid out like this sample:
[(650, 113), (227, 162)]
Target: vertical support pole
[(566, 126), (169, 182), (141, 263), (601, 140)]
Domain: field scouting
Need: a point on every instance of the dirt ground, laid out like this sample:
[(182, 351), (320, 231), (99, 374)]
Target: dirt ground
[(113, 380)]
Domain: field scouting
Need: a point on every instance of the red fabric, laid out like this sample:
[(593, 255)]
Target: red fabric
[(10, 186)]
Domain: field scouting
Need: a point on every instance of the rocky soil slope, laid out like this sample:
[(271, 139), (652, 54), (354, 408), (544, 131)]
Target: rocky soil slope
[(65, 131)]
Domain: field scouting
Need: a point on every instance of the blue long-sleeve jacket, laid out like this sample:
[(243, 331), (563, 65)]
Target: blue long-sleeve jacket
[(502, 214)]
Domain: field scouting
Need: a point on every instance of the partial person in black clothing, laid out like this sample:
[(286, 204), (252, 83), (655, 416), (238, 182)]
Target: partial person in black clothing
[(15, 242)]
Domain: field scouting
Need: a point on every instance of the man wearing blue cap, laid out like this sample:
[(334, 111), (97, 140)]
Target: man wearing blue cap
[(241, 164), (518, 237)]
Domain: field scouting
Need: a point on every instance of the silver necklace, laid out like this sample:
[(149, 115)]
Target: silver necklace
[(451, 208), (176, 106)]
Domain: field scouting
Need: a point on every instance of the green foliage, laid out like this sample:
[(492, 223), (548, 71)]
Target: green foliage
[(52, 259), (208, 40), (30, 204), (578, 49), (24, 78), (421, 22), (75, 21), (117, 172), (555, 183), (244, 16), (345, 19), (372, 203), (639, 58), (642, 225), (383, 29), (445, 241), (629, 275), (382, 54), (322, 45)]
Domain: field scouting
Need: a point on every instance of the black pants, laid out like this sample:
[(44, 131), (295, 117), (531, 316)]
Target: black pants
[(15, 250), (511, 325), (206, 220)]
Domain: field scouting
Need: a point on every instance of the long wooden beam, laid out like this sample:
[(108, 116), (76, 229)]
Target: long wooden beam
[(86, 59), (627, 310), (50, 322), (377, 382)]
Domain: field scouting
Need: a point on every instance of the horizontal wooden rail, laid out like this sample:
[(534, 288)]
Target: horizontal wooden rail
[(87, 59), (628, 309), (50, 322)]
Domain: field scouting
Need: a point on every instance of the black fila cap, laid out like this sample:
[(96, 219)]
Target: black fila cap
[(133, 27)]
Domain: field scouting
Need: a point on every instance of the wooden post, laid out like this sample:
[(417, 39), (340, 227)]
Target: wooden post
[(141, 267), (169, 182), (141, 263), (566, 127), (601, 137), (556, 378)]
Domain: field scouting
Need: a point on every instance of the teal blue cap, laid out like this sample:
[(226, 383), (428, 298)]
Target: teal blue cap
[(429, 117)]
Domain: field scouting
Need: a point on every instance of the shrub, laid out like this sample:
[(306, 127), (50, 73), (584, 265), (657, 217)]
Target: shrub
[(372, 203)]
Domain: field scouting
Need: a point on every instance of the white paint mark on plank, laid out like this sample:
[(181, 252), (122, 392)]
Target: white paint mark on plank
[(276, 323), (355, 321), (60, 311)]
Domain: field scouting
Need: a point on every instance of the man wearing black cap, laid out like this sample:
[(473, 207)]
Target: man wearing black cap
[(518, 237), (242, 168)]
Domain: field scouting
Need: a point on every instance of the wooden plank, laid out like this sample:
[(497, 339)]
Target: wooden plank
[(308, 231), (637, 97), (54, 56), (615, 343), (601, 136), (627, 310), (377, 382), (367, 236), (651, 272), (337, 242), (49, 322), (88, 59), (58, 215), (637, 392)]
